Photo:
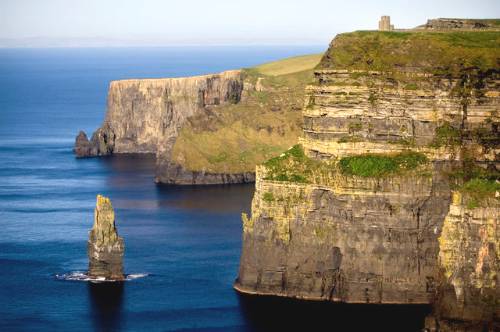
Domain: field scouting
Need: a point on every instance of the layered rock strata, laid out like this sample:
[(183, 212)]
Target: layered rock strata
[(353, 111), (353, 240), (105, 247), (363, 239)]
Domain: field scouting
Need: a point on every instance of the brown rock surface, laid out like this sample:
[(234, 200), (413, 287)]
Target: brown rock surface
[(105, 247)]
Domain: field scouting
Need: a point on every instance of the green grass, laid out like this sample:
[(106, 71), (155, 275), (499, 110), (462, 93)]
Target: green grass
[(432, 52), (478, 184), (292, 165), (268, 197), (379, 165), (479, 190), (350, 139), (289, 65), (411, 86), (446, 135)]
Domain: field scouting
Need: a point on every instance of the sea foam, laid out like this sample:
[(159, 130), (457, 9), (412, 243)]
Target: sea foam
[(83, 276)]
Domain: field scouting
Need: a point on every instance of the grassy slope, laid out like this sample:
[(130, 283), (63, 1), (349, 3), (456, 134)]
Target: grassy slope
[(235, 138), (290, 65)]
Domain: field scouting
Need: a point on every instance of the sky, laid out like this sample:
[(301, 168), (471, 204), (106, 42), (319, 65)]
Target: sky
[(212, 22)]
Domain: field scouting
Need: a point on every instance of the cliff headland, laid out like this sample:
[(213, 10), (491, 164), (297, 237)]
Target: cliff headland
[(361, 211)]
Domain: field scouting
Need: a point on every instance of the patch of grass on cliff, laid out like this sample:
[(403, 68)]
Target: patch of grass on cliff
[(293, 165), (234, 138), (379, 165), (446, 135), (268, 197), (478, 184), (432, 52), (479, 190)]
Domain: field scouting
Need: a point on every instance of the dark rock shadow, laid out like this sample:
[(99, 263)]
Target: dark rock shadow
[(106, 305), (269, 313)]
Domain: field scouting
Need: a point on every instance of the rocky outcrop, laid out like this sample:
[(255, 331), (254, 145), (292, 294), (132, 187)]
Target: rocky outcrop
[(105, 247), (101, 143), (175, 174), (144, 116), (469, 253)]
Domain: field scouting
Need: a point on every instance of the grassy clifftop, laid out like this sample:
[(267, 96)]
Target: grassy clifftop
[(290, 65), (431, 52), (234, 138)]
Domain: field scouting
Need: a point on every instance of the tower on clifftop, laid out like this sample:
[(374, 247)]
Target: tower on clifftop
[(385, 24)]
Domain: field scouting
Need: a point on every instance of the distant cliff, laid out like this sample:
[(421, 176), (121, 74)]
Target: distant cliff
[(461, 24), (205, 129), (143, 115), (393, 122)]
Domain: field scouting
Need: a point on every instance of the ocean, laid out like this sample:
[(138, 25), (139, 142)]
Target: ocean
[(182, 244)]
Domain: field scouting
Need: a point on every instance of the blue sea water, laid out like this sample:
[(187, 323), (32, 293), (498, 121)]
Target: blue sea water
[(182, 243)]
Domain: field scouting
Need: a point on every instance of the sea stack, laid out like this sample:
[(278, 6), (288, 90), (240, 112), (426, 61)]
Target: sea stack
[(105, 247)]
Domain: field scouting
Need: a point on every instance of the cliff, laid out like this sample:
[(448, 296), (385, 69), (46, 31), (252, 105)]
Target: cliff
[(393, 122), (205, 129), (105, 247), (143, 115), (469, 251)]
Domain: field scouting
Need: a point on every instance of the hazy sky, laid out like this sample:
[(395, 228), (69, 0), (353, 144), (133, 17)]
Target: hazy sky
[(156, 22)]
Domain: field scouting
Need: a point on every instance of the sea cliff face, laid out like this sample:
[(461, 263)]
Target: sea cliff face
[(353, 240), (393, 122), (145, 115)]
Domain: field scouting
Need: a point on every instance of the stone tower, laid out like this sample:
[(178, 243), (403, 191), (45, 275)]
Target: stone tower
[(385, 24)]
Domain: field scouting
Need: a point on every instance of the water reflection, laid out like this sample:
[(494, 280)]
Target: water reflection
[(212, 198), (131, 176), (268, 313), (125, 163), (106, 307)]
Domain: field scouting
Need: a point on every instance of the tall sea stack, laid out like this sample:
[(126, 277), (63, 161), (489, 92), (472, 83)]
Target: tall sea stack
[(105, 247)]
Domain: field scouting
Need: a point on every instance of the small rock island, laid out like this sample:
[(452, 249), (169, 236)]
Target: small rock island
[(105, 247)]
